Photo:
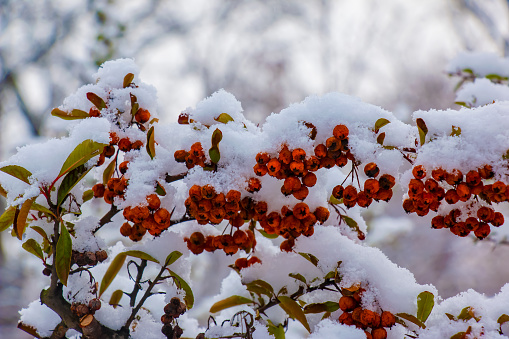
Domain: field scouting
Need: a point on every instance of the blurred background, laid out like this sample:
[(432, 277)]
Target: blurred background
[(269, 54)]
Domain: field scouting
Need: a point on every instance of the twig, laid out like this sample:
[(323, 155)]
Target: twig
[(107, 217)]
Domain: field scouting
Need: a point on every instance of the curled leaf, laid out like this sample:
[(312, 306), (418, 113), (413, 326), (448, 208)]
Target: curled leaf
[(381, 123), (224, 118), (293, 309), (172, 257), (96, 100), (151, 150), (115, 298), (128, 79), (234, 300), (423, 130), (18, 172)]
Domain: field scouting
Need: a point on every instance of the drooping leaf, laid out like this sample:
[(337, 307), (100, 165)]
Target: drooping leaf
[(41, 232), (73, 115), (141, 255), (172, 257), (115, 298), (128, 79), (350, 222), (380, 138), (328, 306), (81, 154), (151, 148), (258, 290), (503, 319), (7, 218), (411, 318), (425, 303), (63, 256), (298, 276), (108, 171), (311, 258), (18, 172), (112, 271), (234, 300), (40, 208), (21, 218), (183, 285), (33, 247), (69, 181), (263, 284), (267, 235), (214, 154), (423, 130), (293, 309), (96, 100), (87, 195), (224, 118), (381, 123)]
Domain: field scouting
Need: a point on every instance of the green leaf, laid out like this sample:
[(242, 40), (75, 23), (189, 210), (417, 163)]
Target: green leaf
[(461, 103), (293, 309), (81, 154), (160, 190), (112, 271), (3, 192), (350, 222), (277, 331), (115, 298), (380, 139), (381, 123), (234, 300), (18, 172), (40, 208), (7, 218), (263, 284), (423, 130), (69, 181), (20, 218), (459, 335), (172, 257), (425, 303), (108, 171), (217, 136), (96, 100), (451, 317), (33, 247), (335, 201), (298, 276), (456, 131), (151, 149), (73, 115), (466, 313), (258, 290), (183, 285), (503, 319), (224, 118), (63, 256), (128, 79), (328, 306), (141, 255), (214, 154), (87, 195), (267, 235), (411, 318), (41, 232), (311, 258)]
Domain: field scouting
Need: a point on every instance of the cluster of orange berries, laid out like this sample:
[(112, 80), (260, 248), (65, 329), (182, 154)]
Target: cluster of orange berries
[(354, 315), (428, 195), (293, 222), (380, 189), (152, 218), (230, 244), (241, 263), (123, 144), (114, 188), (195, 156)]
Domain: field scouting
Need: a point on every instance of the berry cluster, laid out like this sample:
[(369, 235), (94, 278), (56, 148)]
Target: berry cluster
[(241, 263), (174, 309), (81, 310), (152, 218), (454, 187), (230, 244), (354, 315), (374, 189), (88, 258), (124, 144), (195, 156), (115, 187)]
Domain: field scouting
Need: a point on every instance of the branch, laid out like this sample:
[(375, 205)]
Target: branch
[(137, 283), (172, 178), (107, 217)]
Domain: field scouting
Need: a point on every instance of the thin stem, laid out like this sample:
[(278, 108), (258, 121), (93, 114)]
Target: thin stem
[(107, 217), (137, 283)]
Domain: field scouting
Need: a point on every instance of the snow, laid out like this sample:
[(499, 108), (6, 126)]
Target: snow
[(481, 63)]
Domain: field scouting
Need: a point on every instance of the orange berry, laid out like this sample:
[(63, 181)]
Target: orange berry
[(439, 174), (219, 200), (431, 185), (241, 263), (371, 187), (300, 210), (124, 145), (419, 172), (321, 151), (346, 319), (388, 319), (333, 144), (287, 245), (138, 144), (473, 178), (350, 193), (498, 187), (408, 206), (180, 156), (285, 156), (299, 155), (197, 150), (342, 161), (292, 184), (142, 115), (485, 214), (262, 158), (379, 333), (312, 164), (415, 187), (253, 260), (297, 168), (273, 166), (153, 202), (498, 219), (454, 178), (162, 216), (126, 229), (482, 231), (347, 304), (98, 190), (195, 193), (327, 162), (94, 112), (371, 170), (486, 172), (309, 179), (363, 200), (341, 132), (260, 170), (452, 197), (109, 196), (321, 214), (463, 191), (301, 193)]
